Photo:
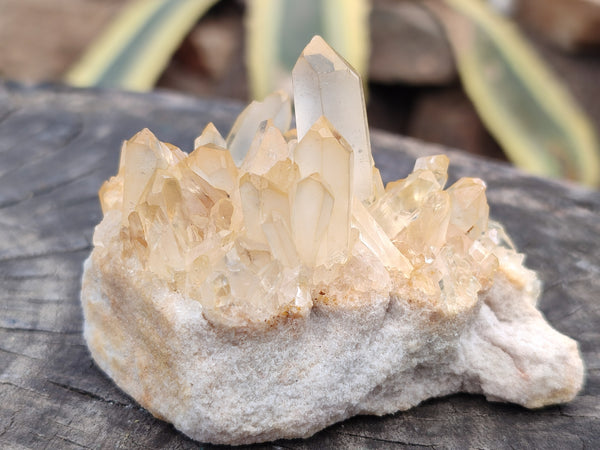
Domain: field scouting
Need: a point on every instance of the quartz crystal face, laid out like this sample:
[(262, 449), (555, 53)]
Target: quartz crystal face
[(256, 225)]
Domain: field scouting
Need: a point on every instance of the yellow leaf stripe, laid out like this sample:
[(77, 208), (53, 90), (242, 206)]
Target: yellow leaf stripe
[(536, 121), (137, 46)]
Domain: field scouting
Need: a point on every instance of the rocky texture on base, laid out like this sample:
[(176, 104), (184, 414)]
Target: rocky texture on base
[(298, 375)]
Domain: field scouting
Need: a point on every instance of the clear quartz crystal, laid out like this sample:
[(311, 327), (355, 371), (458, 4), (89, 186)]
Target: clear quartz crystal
[(276, 107), (326, 85), (470, 210), (375, 239), (324, 152), (254, 225), (210, 135), (215, 165), (141, 156), (312, 208), (267, 148)]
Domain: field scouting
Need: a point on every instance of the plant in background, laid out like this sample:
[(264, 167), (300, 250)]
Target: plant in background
[(537, 123), (138, 44)]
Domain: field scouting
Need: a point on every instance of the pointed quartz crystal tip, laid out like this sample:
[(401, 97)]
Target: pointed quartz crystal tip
[(277, 107), (141, 157), (210, 135), (214, 164), (326, 85)]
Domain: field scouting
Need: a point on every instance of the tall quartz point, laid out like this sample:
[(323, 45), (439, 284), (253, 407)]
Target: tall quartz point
[(326, 85), (267, 285)]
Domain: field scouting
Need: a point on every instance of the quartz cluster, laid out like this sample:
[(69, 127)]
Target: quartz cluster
[(266, 284), (256, 225)]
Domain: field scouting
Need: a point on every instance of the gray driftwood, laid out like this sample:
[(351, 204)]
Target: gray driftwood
[(56, 148)]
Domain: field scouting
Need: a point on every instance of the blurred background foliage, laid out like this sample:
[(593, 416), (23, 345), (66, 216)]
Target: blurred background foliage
[(514, 79)]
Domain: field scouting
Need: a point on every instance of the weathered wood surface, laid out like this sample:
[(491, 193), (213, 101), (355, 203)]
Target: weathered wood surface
[(56, 148)]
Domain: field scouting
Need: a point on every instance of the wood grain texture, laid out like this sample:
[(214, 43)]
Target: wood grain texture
[(56, 148)]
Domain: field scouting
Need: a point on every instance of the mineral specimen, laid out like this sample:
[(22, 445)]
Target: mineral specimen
[(267, 285)]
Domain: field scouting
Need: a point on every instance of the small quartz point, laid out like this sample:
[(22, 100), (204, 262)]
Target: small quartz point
[(267, 148), (141, 157), (276, 107), (326, 85), (374, 238), (267, 285), (210, 135), (215, 165)]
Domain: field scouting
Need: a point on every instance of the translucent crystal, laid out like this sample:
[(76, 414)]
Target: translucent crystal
[(470, 210), (375, 239), (402, 201), (276, 107), (485, 261), (136, 238), (210, 136), (312, 209), (438, 164), (324, 152), (283, 174), (277, 230), (111, 194), (267, 148), (215, 165), (326, 85), (198, 194), (426, 233), (141, 156), (250, 197)]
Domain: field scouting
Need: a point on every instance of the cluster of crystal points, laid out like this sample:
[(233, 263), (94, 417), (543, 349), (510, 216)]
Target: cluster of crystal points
[(266, 222)]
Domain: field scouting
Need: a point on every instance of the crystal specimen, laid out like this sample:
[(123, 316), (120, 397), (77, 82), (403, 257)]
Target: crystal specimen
[(267, 285)]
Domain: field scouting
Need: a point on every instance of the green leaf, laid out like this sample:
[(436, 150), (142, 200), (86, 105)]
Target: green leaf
[(538, 124), (137, 46), (278, 30)]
